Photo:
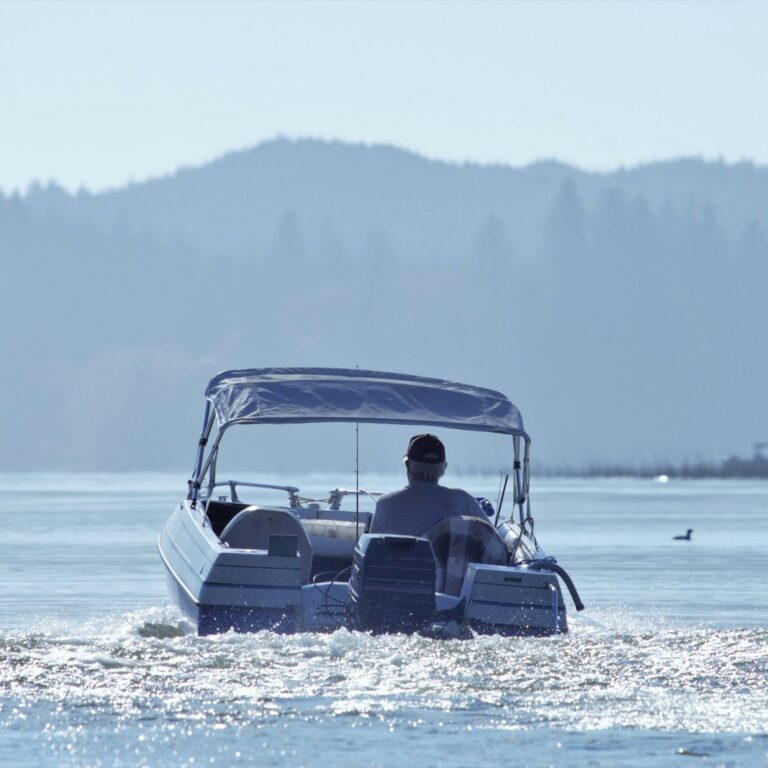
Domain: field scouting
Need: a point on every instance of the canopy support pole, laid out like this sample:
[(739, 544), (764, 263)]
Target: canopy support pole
[(203, 466), (526, 481), (519, 494), (207, 425)]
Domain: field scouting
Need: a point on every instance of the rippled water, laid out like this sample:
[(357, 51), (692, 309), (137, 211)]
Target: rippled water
[(668, 664)]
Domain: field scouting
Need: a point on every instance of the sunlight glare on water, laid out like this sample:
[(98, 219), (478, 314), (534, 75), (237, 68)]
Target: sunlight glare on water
[(666, 662)]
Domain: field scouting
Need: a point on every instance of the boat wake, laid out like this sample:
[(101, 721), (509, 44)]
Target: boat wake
[(68, 690), (613, 671)]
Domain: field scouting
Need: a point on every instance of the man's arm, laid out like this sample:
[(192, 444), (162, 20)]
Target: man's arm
[(473, 508)]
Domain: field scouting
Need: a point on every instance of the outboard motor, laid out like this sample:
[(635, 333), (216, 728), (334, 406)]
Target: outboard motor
[(392, 585)]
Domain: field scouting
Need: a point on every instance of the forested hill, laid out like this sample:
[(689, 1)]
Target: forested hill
[(623, 312)]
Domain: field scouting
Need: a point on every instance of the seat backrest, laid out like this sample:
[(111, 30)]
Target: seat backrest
[(458, 541), (252, 527)]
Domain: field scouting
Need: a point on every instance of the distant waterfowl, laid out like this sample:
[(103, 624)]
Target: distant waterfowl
[(687, 536)]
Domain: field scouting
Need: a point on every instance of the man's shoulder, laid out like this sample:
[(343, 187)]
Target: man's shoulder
[(460, 492), (392, 496)]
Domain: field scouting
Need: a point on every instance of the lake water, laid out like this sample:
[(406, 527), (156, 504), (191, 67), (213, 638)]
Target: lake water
[(667, 666)]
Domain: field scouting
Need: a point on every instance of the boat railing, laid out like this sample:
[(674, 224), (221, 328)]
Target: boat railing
[(336, 496), (291, 490)]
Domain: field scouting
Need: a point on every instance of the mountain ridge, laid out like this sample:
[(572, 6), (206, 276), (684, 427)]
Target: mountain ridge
[(615, 310), (208, 205), (237, 155)]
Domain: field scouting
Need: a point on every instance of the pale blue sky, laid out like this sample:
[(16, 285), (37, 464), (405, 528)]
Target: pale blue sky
[(100, 93)]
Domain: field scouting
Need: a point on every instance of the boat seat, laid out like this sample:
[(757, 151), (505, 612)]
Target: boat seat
[(252, 527), (458, 541)]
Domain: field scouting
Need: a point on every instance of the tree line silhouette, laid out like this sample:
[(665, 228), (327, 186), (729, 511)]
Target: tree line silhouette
[(627, 319)]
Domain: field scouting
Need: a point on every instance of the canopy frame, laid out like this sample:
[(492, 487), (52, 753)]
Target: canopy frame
[(236, 397)]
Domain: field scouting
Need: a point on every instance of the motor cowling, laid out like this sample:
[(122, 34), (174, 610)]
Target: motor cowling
[(392, 585)]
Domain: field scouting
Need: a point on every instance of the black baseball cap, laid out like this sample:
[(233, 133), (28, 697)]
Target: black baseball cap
[(426, 448)]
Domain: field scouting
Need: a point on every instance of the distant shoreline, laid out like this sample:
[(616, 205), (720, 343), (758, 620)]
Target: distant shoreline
[(731, 468)]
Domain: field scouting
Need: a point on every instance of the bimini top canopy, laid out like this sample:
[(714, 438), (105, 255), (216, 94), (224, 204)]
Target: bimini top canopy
[(295, 395)]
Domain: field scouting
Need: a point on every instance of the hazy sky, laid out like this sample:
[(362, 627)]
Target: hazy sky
[(99, 93)]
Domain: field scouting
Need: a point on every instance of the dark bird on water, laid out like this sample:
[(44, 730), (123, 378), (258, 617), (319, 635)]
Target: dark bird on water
[(687, 536)]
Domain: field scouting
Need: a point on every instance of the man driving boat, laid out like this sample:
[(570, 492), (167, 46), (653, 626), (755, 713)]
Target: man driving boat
[(423, 503)]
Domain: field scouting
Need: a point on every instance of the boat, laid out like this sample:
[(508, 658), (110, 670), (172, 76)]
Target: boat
[(312, 565)]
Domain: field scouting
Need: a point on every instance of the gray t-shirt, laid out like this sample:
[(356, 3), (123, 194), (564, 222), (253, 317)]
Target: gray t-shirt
[(420, 505)]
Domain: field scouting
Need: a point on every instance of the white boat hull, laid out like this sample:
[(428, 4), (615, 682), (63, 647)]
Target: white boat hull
[(246, 590)]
